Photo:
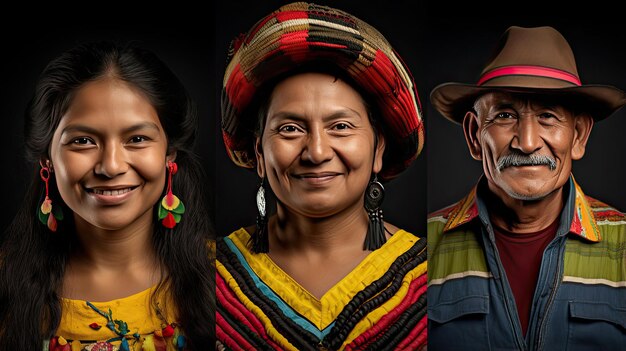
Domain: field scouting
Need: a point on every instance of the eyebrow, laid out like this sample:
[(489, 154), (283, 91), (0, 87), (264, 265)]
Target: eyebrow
[(504, 106), (335, 115), (89, 130)]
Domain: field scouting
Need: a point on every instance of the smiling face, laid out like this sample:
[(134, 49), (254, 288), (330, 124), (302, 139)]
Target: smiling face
[(109, 155), (526, 144), (317, 146)]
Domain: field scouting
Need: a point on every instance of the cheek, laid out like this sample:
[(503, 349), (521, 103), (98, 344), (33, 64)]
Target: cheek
[(355, 153), (280, 154), (150, 167), (71, 168)]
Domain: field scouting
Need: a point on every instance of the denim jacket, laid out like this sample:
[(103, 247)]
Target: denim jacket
[(580, 298)]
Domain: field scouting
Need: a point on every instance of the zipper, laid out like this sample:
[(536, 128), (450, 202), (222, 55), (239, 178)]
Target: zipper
[(556, 285), (521, 343)]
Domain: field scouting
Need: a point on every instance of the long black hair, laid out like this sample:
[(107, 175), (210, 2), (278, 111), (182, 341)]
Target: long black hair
[(33, 259)]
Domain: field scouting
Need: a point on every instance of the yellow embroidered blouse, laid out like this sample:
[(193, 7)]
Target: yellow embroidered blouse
[(131, 323)]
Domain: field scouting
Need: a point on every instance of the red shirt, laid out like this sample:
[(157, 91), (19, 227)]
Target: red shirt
[(521, 257)]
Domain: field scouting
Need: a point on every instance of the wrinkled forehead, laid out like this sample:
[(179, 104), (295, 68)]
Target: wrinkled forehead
[(530, 100)]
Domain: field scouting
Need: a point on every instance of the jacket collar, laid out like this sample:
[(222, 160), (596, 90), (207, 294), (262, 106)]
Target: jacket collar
[(583, 222)]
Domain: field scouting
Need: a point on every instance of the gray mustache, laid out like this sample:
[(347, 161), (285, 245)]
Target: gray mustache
[(525, 160)]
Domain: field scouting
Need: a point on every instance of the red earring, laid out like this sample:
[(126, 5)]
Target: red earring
[(171, 208), (48, 214)]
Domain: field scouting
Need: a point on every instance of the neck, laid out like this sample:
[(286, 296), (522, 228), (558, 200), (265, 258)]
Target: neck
[(524, 216), (116, 250), (302, 233)]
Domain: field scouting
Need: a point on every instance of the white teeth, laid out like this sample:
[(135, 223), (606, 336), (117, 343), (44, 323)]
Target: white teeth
[(111, 192)]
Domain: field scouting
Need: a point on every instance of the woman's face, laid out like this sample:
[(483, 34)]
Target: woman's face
[(109, 154), (317, 147)]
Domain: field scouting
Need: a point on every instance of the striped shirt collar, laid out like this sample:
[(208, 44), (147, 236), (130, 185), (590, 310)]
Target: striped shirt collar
[(583, 222)]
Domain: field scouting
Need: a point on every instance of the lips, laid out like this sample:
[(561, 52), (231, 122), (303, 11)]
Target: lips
[(111, 192), (316, 178), (110, 195), (316, 175)]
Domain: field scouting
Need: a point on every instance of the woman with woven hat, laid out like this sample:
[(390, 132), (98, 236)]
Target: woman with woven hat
[(317, 102)]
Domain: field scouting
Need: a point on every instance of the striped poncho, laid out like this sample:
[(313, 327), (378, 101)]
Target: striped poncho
[(380, 305)]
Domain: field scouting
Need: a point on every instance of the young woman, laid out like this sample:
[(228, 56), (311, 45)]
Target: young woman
[(109, 250), (320, 105)]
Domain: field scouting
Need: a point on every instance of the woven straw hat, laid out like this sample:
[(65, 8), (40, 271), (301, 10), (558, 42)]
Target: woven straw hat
[(303, 35), (529, 60)]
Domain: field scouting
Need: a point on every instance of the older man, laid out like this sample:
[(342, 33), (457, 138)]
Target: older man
[(526, 261)]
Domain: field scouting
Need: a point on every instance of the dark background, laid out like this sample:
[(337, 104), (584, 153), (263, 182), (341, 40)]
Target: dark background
[(404, 203), (185, 47), (460, 40)]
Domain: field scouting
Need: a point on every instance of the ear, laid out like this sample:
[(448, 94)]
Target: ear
[(582, 130), (171, 156), (258, 151), (471, 129), (44, 161), (379, 152)]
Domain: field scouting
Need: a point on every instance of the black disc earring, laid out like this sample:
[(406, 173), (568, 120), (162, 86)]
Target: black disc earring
[(374, 196)]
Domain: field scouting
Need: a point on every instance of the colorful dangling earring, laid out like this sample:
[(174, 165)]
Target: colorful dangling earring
[(260, 240), (374, 196), (48, 214), (171, 208)]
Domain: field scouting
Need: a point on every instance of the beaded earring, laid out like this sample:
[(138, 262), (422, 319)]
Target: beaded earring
[(48, 213), (171, 208)]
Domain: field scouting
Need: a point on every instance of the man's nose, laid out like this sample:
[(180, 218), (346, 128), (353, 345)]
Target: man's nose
[(527, 137)]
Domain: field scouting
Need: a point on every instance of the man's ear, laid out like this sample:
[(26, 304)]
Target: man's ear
[(379, 152), (258, 152), (471, 128), (582, 130)]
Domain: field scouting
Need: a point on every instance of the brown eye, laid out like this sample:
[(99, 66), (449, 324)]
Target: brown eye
[(138, 139), (341, 126), (289, 128), (547, 115), (82, 141), (505, 115)]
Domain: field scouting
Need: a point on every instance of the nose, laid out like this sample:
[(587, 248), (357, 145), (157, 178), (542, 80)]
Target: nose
[(112, 161), (317, 148), (527, 138)]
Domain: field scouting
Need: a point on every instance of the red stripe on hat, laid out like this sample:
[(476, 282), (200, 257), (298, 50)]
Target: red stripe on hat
[(240, 91), (530, 71), (291, 15)]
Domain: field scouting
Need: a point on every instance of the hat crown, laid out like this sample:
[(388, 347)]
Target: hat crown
[(539, 46)]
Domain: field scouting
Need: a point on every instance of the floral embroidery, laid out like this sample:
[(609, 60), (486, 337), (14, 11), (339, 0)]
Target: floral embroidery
[(166, 338)]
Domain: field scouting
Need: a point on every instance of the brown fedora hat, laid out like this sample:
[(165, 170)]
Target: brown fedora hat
[(529, 60)]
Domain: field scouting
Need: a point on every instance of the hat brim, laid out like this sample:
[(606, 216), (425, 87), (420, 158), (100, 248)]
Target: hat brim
[(453, 100)]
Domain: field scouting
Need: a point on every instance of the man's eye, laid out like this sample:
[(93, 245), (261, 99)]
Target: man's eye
[(341, 126), (547, 115), (505, 115)]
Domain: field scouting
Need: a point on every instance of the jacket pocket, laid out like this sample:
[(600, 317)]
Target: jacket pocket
[(596, 326), (460, 324)]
